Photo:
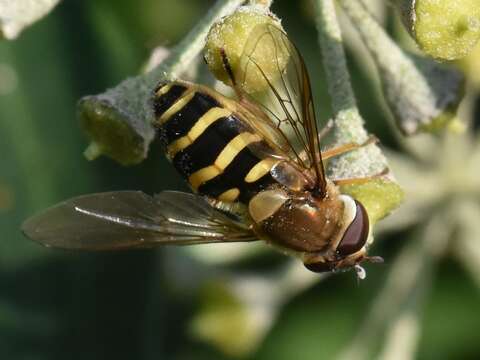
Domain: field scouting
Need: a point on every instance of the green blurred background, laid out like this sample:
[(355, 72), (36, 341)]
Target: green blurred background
[(140, 304)]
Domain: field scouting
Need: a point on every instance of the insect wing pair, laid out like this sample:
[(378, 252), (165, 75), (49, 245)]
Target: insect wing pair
[(133, 219), (284, 116)]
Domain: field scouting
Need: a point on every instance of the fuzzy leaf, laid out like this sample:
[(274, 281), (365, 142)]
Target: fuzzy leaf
[(16, 15)]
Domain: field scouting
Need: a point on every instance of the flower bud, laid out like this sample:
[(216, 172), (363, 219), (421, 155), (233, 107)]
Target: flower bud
[(379, 195), (231, 320), (444, 29), (240, 33), (370, 193), (121, 135)]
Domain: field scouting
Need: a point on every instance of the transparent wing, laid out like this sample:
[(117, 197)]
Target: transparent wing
[(132, 219), (284, 112)]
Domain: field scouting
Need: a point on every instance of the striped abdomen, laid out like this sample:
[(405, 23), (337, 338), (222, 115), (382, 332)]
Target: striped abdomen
[(209, 144)]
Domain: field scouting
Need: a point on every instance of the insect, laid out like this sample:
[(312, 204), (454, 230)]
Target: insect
[(255, 167)]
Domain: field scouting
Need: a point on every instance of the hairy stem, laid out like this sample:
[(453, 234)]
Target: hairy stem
[(382, 195), (348, 120), (119, 120), (192, 44), (349, 125)]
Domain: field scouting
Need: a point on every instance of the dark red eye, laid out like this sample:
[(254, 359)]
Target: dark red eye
[(356, 234)]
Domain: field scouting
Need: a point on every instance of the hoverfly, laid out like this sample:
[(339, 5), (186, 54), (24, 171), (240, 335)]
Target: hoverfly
[(255, 166)]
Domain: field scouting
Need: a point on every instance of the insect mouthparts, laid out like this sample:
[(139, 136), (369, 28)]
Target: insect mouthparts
[(361, 273)]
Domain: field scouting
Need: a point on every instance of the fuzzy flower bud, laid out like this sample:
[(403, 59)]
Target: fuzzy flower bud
[(232, 321), (235, 35), (368, 194), (237, 311), (122, 136), (444, 29)]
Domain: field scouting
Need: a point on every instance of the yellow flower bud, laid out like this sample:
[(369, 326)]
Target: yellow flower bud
[(444, 29), (118, 135), (239, 33), (223, 315), (379, 197)]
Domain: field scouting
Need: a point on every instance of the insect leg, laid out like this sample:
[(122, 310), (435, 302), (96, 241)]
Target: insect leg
[(342, 149), (231, 76), (323, 132), (227, 67), (360, 180), (326, 129)]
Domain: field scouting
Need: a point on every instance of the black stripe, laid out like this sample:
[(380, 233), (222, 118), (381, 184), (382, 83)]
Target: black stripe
[(249, 190), (234, 176), (206, 148), (182, 121), (163, 102)]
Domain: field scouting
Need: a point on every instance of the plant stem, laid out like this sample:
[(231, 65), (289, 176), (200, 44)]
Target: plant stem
[(192, 44), (119, 120), (368, 161), (349, 125), (348, 120)]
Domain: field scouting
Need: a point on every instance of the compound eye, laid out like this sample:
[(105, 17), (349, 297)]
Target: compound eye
[(356, 234)]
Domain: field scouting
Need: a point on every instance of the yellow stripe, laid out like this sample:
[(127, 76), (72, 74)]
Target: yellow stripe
[(177, 146), (164, 89), (203, 175), (177, 106), (229, 195), (200, 126), (260, 169), (237, 144), (206, 120)]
